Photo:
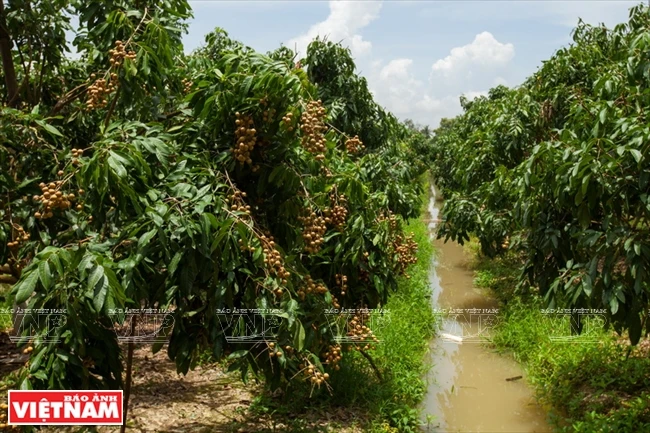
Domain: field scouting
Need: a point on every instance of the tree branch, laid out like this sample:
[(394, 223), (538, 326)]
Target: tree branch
[(373, 365), (112, 107), (7, 279), (68, 98), (129, 370), (7, 60)]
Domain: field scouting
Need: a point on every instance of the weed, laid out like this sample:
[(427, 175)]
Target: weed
[(588, 381), (6, 303)]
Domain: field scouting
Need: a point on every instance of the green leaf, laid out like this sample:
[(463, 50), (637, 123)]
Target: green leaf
[(63, 355), (116, 165), (155, 348), (603, 115), (173, 265), (95, 275), (101, 288), (85, 263), (636, 154), (35, 362), (613, 305), (238, 354), (25, 287), (45, 274), (146, 238), (51, 129), (299, 336), (26, 385), (117, 292)]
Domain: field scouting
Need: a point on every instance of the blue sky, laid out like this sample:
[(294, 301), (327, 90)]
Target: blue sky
[(418, 56)]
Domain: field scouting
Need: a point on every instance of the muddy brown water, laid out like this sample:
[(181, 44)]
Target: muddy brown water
[(468, 390)]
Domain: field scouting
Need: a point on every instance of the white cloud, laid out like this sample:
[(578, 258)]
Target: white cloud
[(472, 66), (395, 83), (396, 69), (396, 87), (429, 109), (474, 95), (484, 51), (436, 106), (344, 22)]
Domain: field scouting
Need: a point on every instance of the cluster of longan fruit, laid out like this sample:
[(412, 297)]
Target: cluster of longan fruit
[(406, 249), (361, 348), (338, 213), (53, 198), (335, 302), (236, 201), (16, 265), (326, 171), (273, 260), (287, 120), (311, 287), (187, 85), (313, 128), (76, 154), (361, 333), (342, 282), (246, 139), (119, 53), (313, 232), (391, 218), (354, 145), (506, 243), (364, 276), (21, 236), (268, 115), (99, 90), (273, 351), (312, 373), (3, 416), (333, 356), (316, 377), (244, 248)]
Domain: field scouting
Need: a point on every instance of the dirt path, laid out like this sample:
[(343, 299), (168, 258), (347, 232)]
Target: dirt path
[(207, 399), (11, 357)]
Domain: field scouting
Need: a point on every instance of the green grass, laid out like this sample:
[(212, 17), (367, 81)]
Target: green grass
[(6, 303), (405, 342), (589, 384), (499, 274)]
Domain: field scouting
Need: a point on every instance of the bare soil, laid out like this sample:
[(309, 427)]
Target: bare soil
[(207, 399), (11, 357)]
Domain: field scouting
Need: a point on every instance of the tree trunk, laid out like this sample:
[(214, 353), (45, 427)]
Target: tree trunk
[(7, 59), (129, 369)]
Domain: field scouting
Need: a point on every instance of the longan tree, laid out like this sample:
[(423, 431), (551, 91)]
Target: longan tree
[(138, 176), (560, 165)]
